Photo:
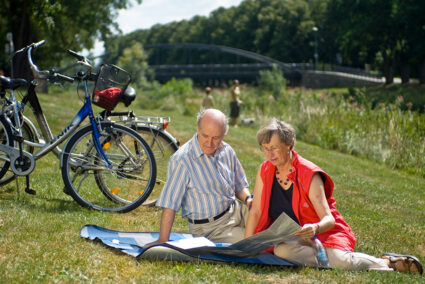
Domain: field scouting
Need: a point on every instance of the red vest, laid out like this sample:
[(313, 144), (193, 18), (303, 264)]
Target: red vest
[(340, 236)]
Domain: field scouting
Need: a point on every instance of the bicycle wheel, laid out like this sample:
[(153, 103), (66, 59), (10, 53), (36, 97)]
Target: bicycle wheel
[(120, 187), (28, 135), (163, 147), (5, 139)]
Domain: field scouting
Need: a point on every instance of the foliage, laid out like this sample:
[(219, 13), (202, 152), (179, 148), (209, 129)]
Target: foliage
[(134, 61), (63, 24), (272, 81), (385, 134), (389, 29), (276, 28), (385, 34), (170, 96)]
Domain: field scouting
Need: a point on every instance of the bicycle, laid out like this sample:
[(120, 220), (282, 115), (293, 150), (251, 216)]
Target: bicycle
[(117, 159), (152, 129)]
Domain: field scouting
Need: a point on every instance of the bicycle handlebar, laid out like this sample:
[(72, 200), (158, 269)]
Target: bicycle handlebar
[(81, 59), (52, 75), (63, 77), (43, 74), (76, 55)]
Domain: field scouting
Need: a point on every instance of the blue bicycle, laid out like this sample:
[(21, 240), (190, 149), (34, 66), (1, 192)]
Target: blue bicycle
[(105, 166)]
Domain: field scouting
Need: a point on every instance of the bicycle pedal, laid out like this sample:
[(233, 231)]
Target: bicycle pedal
[(30, 191)]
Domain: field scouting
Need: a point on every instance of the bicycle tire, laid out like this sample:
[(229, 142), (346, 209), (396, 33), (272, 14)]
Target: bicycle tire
[(163, 147), (5, 139), (28, 135), (122, 187)]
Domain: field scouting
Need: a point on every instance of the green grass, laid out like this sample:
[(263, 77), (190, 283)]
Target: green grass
[(40, 242)]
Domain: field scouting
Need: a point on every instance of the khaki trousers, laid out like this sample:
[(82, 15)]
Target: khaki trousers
[(230, 228), (304, 254)]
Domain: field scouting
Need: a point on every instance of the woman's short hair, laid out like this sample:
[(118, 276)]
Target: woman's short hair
[(285, 132)]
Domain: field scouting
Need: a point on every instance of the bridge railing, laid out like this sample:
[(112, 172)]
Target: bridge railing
[(337, 68), (247, 72)]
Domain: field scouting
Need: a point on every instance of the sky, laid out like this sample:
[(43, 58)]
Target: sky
[(152, 12)]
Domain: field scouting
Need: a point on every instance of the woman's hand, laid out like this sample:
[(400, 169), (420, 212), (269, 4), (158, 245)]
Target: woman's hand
[(307, 231)]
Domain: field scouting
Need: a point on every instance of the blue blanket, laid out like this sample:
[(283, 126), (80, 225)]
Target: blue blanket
[(132, 244), (185, 247)]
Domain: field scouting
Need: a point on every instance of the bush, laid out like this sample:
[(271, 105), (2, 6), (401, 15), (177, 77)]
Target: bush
[(168, 96), (385, 134), (272, 81)]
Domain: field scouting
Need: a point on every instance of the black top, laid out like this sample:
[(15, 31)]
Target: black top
[(281, 201)]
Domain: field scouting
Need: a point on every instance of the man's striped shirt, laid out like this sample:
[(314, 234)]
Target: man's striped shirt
[(202, 185)]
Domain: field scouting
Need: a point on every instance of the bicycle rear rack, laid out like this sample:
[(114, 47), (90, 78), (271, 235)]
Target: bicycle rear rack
[(160, 122)]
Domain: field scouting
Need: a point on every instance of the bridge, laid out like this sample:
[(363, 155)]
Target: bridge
[(296, 74)]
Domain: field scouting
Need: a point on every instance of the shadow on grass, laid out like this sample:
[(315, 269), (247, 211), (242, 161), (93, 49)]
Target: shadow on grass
[(253, 268), (40, 202)]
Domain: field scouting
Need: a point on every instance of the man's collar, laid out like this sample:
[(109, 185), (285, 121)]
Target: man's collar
[(197, 152)]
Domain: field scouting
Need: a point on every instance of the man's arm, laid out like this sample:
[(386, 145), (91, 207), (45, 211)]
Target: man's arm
[(240, 180), (167, 220), (245, 196)]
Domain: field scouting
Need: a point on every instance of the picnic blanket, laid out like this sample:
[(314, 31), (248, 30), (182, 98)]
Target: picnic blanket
[(186, 247)]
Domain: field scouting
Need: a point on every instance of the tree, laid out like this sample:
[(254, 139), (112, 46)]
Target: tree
[(412, 22), (133, 60), (389, 29), (63, 24), (361, 29)]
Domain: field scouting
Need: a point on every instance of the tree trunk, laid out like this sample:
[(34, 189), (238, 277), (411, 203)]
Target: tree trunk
[(20, 12), (388, 69), (422, 72), (404, 70)]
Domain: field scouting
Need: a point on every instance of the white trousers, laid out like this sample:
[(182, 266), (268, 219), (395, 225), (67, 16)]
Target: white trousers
[(304, 254)]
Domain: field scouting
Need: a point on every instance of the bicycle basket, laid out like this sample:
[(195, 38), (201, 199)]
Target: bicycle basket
[(110, 84)]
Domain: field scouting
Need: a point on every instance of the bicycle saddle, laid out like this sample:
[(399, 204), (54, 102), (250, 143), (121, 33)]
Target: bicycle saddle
[(128, 96), (11, 84)]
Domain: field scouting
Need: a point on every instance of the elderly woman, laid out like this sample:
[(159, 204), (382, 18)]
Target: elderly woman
[(288, 183)]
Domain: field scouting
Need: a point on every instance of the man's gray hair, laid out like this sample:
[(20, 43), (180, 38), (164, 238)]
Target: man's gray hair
[(201, 114), (285, 132)]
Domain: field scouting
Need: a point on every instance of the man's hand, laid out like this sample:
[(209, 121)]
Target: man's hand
[(248, 202), (245, 197), (157, 242)]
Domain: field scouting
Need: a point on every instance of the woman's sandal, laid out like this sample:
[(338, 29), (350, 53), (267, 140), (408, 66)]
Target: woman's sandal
[(404, 263)]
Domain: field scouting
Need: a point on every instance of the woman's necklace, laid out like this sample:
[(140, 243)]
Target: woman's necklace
[(281, 180)]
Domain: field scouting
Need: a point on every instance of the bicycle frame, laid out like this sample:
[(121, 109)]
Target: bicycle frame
[(53, 142)]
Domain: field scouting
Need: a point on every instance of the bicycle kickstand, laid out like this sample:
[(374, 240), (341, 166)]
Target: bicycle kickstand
[(27, 188)]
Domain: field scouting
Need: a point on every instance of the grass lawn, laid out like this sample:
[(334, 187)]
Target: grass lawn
[(40, 242)]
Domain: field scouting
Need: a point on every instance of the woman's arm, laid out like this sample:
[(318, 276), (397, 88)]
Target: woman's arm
[(255, 211), (320, 204)]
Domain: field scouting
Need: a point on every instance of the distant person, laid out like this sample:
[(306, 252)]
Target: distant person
[(286, 182), (208, 100), (235, 103), (204, 178)]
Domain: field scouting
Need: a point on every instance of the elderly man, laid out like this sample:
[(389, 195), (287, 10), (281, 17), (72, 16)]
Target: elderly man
[(204, 178)]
